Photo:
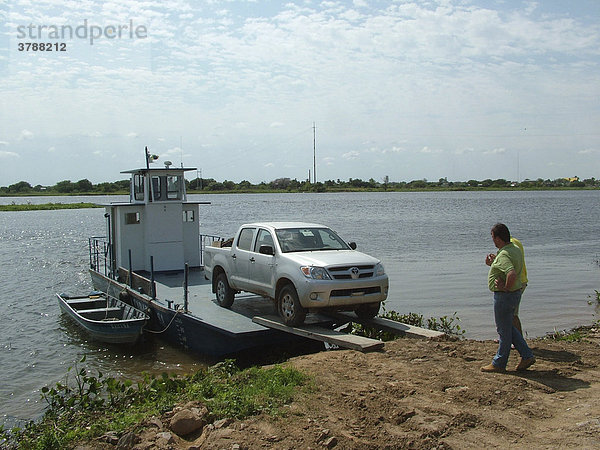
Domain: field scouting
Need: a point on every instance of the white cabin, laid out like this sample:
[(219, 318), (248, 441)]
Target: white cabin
[(157, 222)]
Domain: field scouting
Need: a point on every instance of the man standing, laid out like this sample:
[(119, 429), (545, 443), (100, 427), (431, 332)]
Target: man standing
[(524, 281), (490, 258), (504, 280)]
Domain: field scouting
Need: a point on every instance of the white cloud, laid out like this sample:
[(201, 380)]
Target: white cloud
[(495, 151), (5, 154), (25, 135), (351, 155)]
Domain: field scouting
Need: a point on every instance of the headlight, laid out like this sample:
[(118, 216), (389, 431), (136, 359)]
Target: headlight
[(379, 270), (317, 273)]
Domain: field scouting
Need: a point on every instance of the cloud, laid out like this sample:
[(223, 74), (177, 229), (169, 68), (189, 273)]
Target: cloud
[(5, 154), (588, 151), (25, 135), (269, 165), (51, 149), (495, 151), (276, 125), (4, 143), (351, 155), (427, 149), (132, 134)]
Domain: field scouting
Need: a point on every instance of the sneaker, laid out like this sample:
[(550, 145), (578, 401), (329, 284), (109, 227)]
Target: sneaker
[(525, 363), (492, 368)]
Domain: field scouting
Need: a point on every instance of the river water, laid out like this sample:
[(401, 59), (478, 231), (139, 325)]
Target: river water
[(432, 245)]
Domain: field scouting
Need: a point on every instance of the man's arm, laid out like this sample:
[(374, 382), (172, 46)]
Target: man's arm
[(505, 286)]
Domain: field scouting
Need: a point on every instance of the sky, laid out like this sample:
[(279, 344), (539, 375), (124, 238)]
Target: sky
[(456, 89)]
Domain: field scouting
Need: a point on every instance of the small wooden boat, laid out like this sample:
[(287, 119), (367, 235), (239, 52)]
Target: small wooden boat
[(105, 318)]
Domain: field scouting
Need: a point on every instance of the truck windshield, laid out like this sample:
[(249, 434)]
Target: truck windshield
[(309, 239)]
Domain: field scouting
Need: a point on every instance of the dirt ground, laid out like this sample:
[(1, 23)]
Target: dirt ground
[(430, 394)]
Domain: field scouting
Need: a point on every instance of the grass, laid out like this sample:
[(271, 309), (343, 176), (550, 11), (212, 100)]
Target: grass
[(47, 206), (85, 407)]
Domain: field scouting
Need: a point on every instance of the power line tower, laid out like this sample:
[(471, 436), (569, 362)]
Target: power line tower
[(315, 152)]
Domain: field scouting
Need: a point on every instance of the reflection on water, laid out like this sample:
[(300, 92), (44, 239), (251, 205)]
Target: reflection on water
[(432, 245)]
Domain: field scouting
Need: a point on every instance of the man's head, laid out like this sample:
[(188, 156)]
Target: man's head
[(500, 235)]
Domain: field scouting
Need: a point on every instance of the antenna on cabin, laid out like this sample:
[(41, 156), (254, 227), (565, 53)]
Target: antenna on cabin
[(150, 158), (168, 164)]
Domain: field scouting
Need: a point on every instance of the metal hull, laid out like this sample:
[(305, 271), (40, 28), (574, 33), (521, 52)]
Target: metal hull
[(124, 328), (188, 331)]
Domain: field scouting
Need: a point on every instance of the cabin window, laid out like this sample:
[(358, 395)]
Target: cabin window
[(188, 215), (156, 194), (264, 238), (245, 239), (132, 218), (138, 187), (173, 187)]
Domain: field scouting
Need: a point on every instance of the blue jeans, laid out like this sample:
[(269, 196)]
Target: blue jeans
[(504, 310)]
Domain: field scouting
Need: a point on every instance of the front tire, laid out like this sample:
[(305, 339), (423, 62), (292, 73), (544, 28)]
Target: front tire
[(223, 291), (367, 310), (289, 307)]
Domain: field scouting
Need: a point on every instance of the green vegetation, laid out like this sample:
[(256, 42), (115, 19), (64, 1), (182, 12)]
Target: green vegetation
[(445, 324), (210, 185), (574, 335), (85, 407), (47, 206)]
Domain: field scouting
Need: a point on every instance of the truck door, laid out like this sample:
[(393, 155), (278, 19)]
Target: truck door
[(241, 252), (262, 268)]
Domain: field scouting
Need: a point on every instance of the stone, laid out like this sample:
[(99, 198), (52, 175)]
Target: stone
[(186, 421), (127, 441)]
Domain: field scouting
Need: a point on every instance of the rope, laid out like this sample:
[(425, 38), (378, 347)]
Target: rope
[(172, 319)]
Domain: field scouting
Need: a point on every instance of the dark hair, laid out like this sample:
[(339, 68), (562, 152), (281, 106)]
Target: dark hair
[(501, 231)]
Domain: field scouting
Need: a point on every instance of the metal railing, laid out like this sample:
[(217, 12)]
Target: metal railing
[(101, 259), (100, 255), (205, 241)]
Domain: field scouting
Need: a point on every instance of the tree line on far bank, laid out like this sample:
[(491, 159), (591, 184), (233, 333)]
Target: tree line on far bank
[(85, 186)]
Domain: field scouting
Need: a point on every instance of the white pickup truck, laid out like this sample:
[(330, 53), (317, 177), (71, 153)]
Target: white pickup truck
[(301, 266)]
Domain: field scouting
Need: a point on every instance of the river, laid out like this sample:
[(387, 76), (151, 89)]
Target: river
[(432, 244)]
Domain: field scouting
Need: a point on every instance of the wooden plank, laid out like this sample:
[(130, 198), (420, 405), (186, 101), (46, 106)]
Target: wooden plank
[(389, 325), (318, 333)]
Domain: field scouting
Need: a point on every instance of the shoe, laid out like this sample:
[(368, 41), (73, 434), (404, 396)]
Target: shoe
[(492, 368), (525, 363)]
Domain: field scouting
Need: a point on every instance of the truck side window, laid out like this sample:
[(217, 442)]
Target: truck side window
[(245, 239), (264, 238)]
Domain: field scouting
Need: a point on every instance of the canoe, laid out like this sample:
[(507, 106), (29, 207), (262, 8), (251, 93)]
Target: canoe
[(104, 318)]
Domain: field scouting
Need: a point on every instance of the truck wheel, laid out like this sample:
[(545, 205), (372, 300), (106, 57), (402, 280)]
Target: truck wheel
[(367, 310), (224, 293), (289, 307)]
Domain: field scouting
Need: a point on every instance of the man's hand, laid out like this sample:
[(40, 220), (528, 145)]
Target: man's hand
[(505, 286), (489, 258)]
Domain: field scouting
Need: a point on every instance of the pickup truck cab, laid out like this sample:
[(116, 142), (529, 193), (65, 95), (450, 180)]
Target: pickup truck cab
[(301, 266)]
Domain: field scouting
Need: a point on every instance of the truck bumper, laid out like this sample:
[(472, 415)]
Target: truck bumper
[(324, 294)]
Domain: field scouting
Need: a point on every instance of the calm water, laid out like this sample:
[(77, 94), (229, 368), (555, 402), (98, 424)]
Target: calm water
[(432, 244)]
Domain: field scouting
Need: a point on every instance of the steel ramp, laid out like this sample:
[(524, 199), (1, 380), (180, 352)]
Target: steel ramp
[(322, 334)]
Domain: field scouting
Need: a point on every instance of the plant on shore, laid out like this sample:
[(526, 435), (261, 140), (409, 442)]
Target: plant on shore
[(47, 206), (445, 324), (85, 407), (595, 298)]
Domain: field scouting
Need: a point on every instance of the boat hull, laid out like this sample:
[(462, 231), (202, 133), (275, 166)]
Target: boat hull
[(188, 331), (108, 320)]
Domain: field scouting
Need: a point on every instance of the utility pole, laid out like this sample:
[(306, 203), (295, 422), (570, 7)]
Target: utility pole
[(315, 152)]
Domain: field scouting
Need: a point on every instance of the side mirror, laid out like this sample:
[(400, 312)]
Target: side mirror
[(266, 250), (352, 245)]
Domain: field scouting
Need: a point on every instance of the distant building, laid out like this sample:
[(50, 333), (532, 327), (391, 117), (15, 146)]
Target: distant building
[(572, 179)]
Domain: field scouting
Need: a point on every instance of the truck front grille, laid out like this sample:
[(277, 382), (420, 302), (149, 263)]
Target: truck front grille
[(345, 272)]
